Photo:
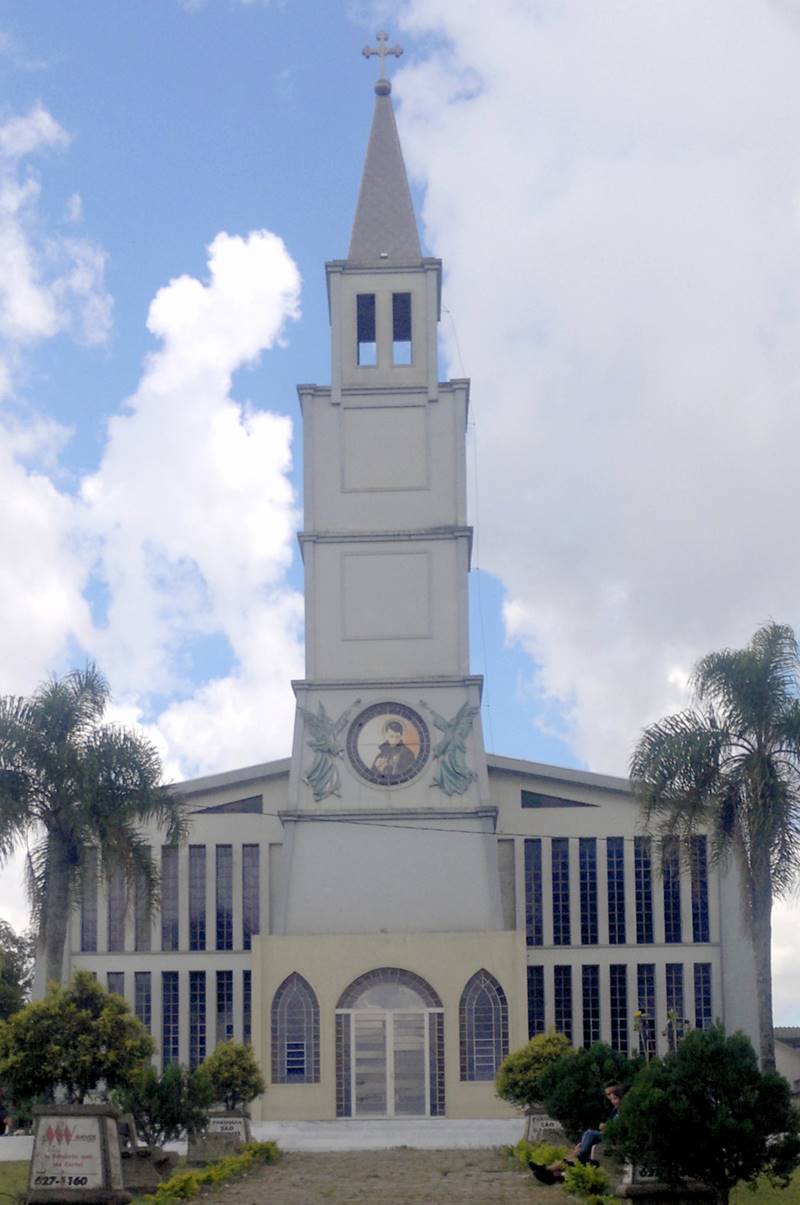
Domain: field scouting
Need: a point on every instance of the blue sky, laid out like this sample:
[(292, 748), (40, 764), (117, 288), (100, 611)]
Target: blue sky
[(614, 189)]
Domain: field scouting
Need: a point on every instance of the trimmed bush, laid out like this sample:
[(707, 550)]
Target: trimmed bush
[(234, 1074), (545, 1153), (519, 1079), (572, 1087), (166, 1106), (580, 1180), (187, 1184)]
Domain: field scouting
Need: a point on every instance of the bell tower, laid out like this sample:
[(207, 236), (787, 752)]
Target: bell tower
[(389, 823)]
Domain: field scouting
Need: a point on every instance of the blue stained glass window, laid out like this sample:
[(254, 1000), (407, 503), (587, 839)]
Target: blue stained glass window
[(618, 988), (117, 905), (560, 869), (590, 984), (115, 982), (700, 929), (89, 902), (535, 1001), (224, 1006), (295, 1033), (533, 892), (483, 1027), (142, 998), (615, 855), (643, 877), (170, 1017), (646, 990), (703, 1015), (247, 1007), (587, 861), (224, 897), (671, 861), (197, 897), (169, 897), (675, 1005), (250, 893), (562, 996), (197, 1017), (141, 916)]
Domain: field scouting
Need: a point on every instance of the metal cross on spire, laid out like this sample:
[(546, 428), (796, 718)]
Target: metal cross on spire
[(382, 50)]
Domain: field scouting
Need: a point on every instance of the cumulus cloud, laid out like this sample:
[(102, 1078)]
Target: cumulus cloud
[(48, 283), (194, 513), (621, 274)]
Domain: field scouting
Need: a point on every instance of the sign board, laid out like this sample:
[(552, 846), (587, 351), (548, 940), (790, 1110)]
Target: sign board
[(233, 1126), (67, 1153)]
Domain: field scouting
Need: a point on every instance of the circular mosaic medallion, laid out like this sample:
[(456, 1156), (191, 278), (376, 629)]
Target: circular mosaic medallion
[(388, 744)]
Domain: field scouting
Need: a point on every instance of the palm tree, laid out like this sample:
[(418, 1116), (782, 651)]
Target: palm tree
[(70, 787), (731, 767)]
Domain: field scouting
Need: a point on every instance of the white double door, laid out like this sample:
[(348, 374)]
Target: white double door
[(390, 1064)]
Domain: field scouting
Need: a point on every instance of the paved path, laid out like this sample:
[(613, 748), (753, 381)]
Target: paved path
[(393, 1177)]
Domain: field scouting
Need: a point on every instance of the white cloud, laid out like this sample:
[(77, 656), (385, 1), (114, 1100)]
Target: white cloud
[(48, 283), (195, 514), (622, 275)]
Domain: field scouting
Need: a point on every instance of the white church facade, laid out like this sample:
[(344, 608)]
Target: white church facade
[(389, 911)]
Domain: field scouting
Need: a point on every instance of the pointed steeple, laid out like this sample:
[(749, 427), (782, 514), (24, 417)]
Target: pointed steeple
[(385, 229)]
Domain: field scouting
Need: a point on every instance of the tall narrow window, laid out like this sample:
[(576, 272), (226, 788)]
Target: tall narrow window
[(89, 903), (562, 995), (533, 892), (141, 915), (250, 892), (615, 855), (643, 875), (671, 861), (535, 1000), (587, 861), (197, 1017), (224, 1006), (295, 1033), (224, 897), (169, 897), (170, 1017), (700, 888), (115, 982), (560, 856), (247, 1007), (401, 328), (702, 995), (590, 984), (618, 989), (366, 345), (646, 988), (197, 897), (675, 1017), (483, 1027), (142, 998), (116, 910)]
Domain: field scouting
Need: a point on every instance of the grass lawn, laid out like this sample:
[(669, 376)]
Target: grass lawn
[(13, 1179), (765, 1194)]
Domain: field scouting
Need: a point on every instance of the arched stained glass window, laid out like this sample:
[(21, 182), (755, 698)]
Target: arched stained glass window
[(483, 1027), (295, 1033)]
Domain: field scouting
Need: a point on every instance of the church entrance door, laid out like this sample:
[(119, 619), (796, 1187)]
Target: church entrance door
[(389, 1047), (390, 1064)]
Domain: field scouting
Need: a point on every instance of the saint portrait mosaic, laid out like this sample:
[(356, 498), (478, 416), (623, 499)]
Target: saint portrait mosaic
[(388, 744)]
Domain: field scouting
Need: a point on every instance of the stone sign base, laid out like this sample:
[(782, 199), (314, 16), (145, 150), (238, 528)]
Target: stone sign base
[(541, 1128), (225, 1134), (639, 1185), (76, 1156)]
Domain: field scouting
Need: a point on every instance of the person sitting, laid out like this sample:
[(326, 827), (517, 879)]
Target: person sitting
[(582, 1152)]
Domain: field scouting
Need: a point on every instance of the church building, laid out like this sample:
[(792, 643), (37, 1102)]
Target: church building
[(389, 911)]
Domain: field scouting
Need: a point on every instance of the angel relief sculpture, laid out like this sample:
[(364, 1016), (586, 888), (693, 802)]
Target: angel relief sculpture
[(323, 777), (453, 776)]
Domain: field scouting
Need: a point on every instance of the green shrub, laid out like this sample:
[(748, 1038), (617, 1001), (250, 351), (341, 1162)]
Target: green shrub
[(572, 1087), (544, 1153), (234, 1074), (580, 1180), (77, 1036), (707, 1112), (519, 1078), (187, 1184), (166, 1106)]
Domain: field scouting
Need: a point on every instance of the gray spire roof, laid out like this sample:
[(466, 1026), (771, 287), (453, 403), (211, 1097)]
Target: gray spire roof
[(385, 229)]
